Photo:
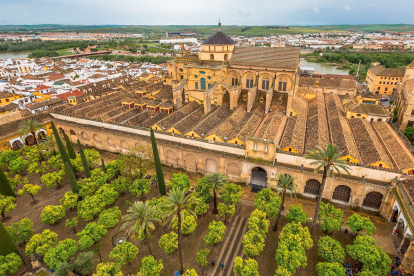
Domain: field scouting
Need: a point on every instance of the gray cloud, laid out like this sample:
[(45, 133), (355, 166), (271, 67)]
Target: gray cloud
[(196, 12)]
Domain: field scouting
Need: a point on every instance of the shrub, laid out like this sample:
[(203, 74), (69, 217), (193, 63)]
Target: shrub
[(151, 267), (90, 234), (107, 194), (201, 257), (110, 217), (331, 250), (108, 269), (169, 242), (90, 207), (51, 214), (60, 253), (21, 231), (69, 200), (40, 243), (188, 223), (215, 233), (124, 253), (10, 263), (296, 214), (179, 181)]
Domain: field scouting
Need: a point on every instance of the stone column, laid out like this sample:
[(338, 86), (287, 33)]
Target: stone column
[(402, 243), (396, 227), (408, 261)]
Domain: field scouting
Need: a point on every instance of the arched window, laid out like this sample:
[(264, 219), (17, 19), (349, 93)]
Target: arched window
[(203, 83), (226, 57), (249, 82), (211, 57), (265, 83), (282, 84)]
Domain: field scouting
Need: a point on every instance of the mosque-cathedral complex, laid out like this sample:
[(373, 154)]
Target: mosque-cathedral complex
[(247, 113)]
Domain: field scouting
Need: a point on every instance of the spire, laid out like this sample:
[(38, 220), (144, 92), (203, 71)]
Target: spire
[(219, 25)]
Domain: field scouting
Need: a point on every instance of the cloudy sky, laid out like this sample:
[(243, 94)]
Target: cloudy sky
[(197, 12)]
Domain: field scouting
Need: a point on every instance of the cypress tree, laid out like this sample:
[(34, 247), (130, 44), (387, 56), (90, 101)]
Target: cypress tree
[(84, 161), (157, 162), (63, 154), (7, 245), (69, 146), (103, 165), (72, 179), (5, 188)]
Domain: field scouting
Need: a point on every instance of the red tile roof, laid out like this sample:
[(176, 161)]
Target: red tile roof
[(42, 87), (76, 93), (56, 76)]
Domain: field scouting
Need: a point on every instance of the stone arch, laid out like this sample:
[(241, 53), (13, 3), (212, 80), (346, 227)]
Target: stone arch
[(225, 96), (41, 135), (265, 81), (98, 141), (211, 166), (124, 146), (73, 136), (172, 159), (248, 79), (233, 75), (233, 171), (283, 78), (190, 163), (85, 138), (62, 133), (373, 200), (17, 144), (312, 187), (111, 143), (258, 176), (342, 193), (29, 140)]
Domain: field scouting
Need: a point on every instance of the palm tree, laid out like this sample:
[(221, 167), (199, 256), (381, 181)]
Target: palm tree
[(215, 181), (29, 126), (140, 219), (328, 158), (49, 143), (285, 184), (177, 203)]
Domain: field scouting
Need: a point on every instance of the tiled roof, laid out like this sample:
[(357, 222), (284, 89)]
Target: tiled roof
[(75, 93), (43, 104), (368, 144), (366, 108), (248, 126), (295, 129), (230, 124), (387, 72), (317, 132), (188, 122), (271, 127), (42, 87), (214, 119), (5, 94), (266, 57), (219, 38), (175, 117), (327, 82), (395, 147)]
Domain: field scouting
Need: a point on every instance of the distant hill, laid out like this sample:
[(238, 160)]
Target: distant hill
[(367, 27), (204, 29)]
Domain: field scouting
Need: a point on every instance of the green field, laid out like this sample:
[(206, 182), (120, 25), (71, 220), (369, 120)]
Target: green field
[(160, 30)]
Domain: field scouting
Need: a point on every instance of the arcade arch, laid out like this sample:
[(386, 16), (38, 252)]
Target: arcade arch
[(342, 193)]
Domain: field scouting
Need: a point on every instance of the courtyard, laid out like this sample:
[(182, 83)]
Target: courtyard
[(225, 251)]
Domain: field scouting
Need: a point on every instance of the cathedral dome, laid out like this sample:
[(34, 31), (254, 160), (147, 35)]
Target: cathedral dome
[(219, 38)]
